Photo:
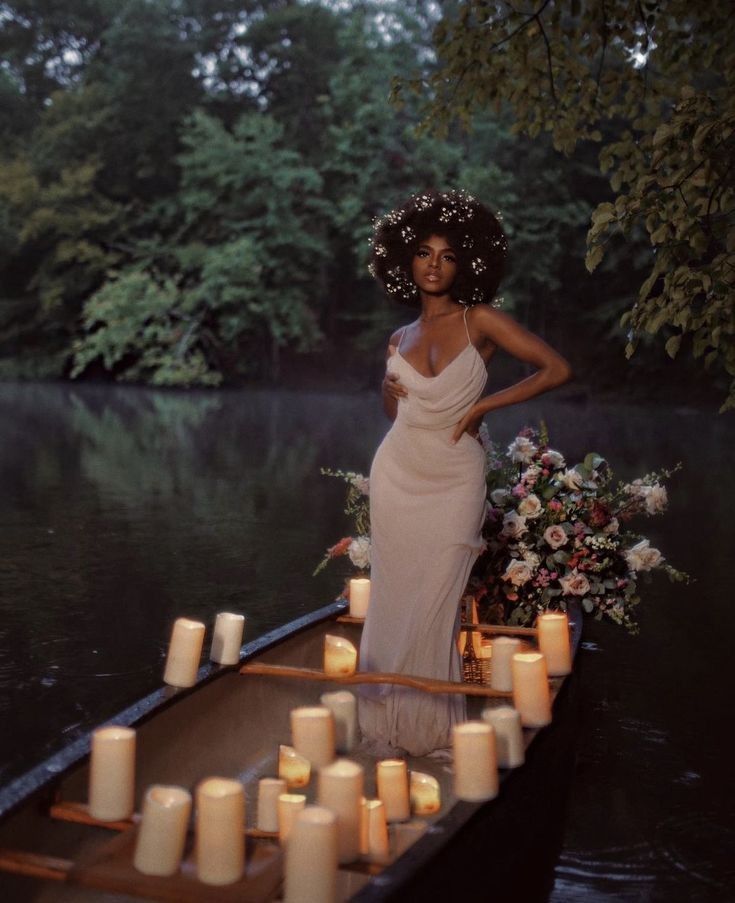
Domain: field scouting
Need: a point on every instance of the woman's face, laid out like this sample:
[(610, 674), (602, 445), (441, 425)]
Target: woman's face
[(434, 265)]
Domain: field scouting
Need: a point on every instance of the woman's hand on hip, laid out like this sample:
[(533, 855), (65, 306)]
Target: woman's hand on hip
[(470, 424), (392, 387)]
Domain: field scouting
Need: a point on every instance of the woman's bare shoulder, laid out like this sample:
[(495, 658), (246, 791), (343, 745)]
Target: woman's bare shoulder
[(489, 321)]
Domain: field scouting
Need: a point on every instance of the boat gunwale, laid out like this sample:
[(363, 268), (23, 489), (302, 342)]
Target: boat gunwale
[(33, 782)]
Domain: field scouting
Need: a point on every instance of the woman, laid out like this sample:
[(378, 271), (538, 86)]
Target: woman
[(444, 253)]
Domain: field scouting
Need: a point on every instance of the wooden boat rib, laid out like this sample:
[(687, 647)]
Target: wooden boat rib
[(231, 723)]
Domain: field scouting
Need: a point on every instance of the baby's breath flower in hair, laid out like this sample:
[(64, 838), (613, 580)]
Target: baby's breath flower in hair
[(470, 228)]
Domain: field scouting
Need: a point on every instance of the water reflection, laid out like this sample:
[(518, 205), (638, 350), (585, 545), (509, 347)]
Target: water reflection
[(124, 508)]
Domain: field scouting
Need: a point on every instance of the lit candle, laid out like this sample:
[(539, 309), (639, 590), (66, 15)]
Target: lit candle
[(406, 834), (553, 641), (508, 735), (184, 652), (340, 789), (531, 689), (340, 656), (343, 706), (227, 638), (269, 789), (475, 762), (486, 649), (311, 858), (220, 831), (359, 596), (112, 773), (501, 671), (289, 806), (293, 768), (425, 793), (312, 734), (374, 832), (392, 780), (476, 641), (160, 843)]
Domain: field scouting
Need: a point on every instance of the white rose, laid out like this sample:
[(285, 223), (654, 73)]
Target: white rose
[(555, 536), (572, 479), (656, 499), (637, 489), (499, 496), (612, 526), (521, 450), (553, 459), (574, 584), (531, 474), (643, 557), (531, 559), (359, 552), (530, 507), (518, 572), (514, 525), (361, 483)]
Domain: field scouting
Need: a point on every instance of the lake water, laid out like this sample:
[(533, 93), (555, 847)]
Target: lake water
[(123, 508)]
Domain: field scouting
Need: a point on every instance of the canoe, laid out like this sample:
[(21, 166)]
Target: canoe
[(231, 724)]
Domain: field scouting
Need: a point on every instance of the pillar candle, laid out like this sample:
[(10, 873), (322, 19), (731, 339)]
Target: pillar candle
[(392, 781), (227, 638), (184, 652), (311, 858), (553, 642), (508, 735), (475, 761), (340, 656), (160, 843), (374, 832), (531, 689), (425, 793), (359, 596), (406, 834), (343, 706), (340, 787), (476, 641), (112, 773), (220, 831), (269, 789), (289, 806), (293, 768), (312, 734), (501, 672)]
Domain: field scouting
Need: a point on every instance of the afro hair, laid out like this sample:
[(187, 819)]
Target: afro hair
[(471, 229)]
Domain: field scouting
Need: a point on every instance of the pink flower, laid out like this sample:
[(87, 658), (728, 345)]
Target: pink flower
[(339, 548), (519, 491), (555, 505)]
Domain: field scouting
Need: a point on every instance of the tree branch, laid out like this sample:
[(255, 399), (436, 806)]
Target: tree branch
[(548, 54)]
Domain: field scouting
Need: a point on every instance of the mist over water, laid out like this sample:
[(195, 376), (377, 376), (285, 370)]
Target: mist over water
[(123, 508)]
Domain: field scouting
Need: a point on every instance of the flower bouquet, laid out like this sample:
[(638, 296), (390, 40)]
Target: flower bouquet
[(552, 534), (555, 533), (357, 507)]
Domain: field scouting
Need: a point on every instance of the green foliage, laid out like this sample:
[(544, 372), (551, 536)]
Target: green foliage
[(654, 83)]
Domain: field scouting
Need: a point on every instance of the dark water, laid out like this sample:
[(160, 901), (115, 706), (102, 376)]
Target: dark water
[(121, 509)]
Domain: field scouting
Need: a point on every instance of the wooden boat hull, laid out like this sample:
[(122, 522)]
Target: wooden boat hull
[(231, 724)]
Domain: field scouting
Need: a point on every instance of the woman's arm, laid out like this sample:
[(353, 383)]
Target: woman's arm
[(391, 386), (504, 332)]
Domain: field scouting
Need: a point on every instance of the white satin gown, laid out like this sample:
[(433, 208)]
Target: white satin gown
[(427, 504)]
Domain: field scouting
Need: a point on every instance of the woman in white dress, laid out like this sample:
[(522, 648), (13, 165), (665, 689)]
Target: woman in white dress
[(442, 253)]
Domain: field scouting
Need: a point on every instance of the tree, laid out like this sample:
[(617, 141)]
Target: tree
[(654, 83)]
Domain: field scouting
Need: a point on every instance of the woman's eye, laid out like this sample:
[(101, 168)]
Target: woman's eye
[(450, 257)]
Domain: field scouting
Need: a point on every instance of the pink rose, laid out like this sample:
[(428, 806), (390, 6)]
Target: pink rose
[(575, 584), (556, 536)]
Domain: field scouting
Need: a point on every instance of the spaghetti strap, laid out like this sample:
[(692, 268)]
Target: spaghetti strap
[(403, 332), (466, 327)]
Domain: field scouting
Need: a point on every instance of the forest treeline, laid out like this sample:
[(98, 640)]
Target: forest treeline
[(187, 189)]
